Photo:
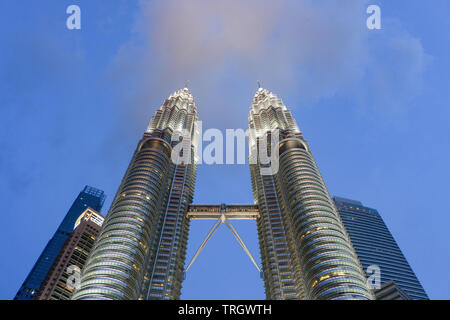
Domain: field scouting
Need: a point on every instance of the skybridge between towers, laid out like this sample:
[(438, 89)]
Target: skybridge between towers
[(230, 211), (222, 214)]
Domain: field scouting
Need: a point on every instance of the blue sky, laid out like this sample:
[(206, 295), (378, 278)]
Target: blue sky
[(373, 106)]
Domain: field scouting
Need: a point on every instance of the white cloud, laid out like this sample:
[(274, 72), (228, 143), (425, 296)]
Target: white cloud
[(308, 49)]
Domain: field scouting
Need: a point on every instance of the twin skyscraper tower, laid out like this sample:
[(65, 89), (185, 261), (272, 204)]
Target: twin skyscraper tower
[(306, 252)]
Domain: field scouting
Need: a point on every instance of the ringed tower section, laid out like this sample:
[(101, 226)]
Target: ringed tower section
[(306, 252), (140, 251)]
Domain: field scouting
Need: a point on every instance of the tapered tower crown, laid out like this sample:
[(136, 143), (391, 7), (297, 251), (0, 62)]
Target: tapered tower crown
[(268, 112), (264, 99), (177, 113), (183, 99)]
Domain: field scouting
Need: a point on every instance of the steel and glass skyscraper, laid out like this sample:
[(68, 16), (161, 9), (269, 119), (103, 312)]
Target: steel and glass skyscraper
[(89, 197), (140, 252), (305, 250), (376, 246)]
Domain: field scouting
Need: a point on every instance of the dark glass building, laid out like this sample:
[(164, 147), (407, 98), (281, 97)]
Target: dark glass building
[(89, 197), (375, 245)]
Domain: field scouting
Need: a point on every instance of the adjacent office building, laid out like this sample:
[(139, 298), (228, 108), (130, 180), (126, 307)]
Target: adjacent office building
[(376, 246), (305, 250), (88, 197), (61, 280)]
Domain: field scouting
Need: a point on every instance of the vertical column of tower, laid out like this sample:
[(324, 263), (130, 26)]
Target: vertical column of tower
[(279, 270), (121, 263), (165, 270), (324, 262), (280, 261)]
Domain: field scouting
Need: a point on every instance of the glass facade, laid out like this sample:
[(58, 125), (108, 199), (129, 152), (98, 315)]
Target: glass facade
[(89, 197), (140, 252), (305, 250), (376, 246)]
